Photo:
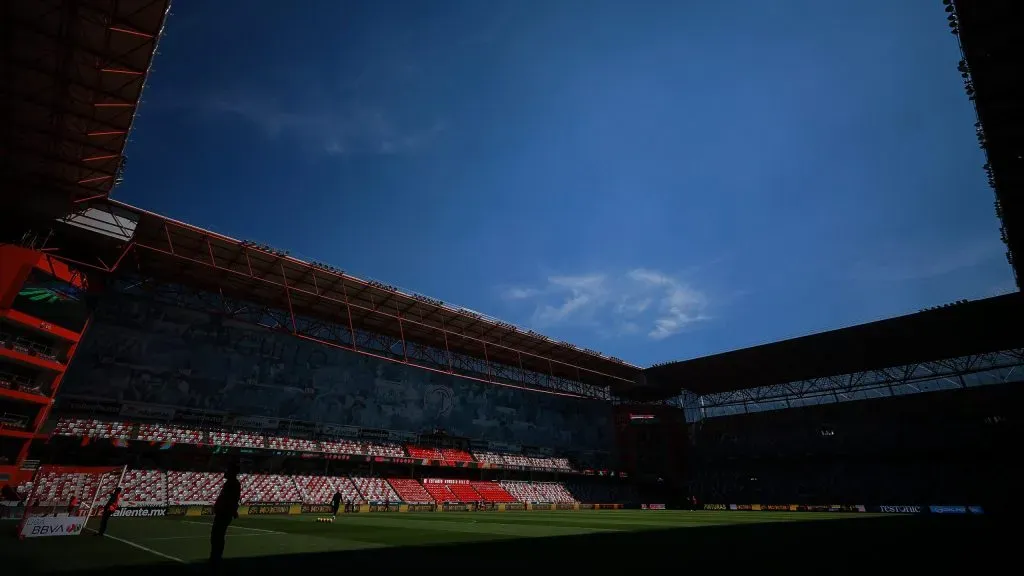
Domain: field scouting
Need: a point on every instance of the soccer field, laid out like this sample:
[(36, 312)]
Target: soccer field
[(287, 543)]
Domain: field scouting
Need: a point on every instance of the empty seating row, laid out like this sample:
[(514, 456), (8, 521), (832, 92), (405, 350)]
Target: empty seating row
[(243, 439), (154, 487)]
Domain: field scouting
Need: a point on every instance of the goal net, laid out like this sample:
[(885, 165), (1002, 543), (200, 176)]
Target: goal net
[(63, 498)]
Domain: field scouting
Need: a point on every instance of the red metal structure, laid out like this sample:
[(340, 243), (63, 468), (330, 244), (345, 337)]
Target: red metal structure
[(72, 77), (34, 352)]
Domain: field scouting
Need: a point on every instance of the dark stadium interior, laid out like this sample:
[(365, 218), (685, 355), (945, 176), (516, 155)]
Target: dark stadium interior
[(194, 350)]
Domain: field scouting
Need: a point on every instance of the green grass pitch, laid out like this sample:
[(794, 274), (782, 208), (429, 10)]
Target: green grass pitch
[(300, 544)]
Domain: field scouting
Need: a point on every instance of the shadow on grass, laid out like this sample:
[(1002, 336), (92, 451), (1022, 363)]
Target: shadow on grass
[(924, 544)]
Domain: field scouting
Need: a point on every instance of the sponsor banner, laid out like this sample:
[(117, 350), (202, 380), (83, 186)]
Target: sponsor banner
[(374, 434), (901, 509), (411, 508), (513, 506), (401, 436), (257, 422), (455, 507), (948, 509), (140, 512), (775, 507), (340, 431), (39, 526), (94, 406), (742, 507), (264, 509), (318, 508), (443, 481), (147, 412), (541, 507), (715, 507), (176, 510), (565, 506), (652, 507), (200, 511), (607, 506), (587, 507), (975, 509), (196, 417)]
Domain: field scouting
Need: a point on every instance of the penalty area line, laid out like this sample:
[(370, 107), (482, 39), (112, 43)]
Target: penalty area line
[(140, 547)]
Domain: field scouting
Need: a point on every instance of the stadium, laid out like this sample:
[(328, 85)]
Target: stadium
[(141, 352)]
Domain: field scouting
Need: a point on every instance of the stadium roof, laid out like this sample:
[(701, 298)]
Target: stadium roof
[(988, 325), (989, 35), (73, 74), (109, 235)]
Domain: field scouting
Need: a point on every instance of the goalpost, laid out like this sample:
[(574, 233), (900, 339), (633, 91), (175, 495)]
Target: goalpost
[(48, 509)]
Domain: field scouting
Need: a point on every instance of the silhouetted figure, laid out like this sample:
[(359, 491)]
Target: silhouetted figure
[(336, 502), (73, 506), (108, 509), (225, 509)]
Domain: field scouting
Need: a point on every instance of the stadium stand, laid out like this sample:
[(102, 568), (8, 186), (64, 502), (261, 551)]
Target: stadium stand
[(89, 428), (269, 489), (375, 489), (193, 487), (57, 488), (411, 491), (443, 454), (456, 455), (144, 488), (535, 492), (492, 492), (320, 489), (169, 433), (439, 492), (71, 426), (237, 439), (297, 444)]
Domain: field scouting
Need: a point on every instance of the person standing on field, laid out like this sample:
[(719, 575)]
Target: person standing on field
[(225, 509)]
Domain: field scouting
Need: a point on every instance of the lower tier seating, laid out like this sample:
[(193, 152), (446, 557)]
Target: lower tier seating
[(193, 487), (493, 492), (269, 489), (375, 489), (410, 490), (144, 488)]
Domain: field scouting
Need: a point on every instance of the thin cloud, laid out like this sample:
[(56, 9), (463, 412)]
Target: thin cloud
[(339, 131), (637, 301), (905, 264)]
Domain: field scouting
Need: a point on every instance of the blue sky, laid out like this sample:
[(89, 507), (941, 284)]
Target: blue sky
[(655, 180)]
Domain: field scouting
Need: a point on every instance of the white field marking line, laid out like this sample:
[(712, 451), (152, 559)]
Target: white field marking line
[(234, 526), (140, 547), (204, 537)]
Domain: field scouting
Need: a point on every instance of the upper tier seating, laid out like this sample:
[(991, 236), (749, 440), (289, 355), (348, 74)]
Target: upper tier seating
[(244, 439), (410, 490), (375, 489), (144, 488), (269, 488), (423, 452), (447, 454), (456, 455), (489, 457), (193, 487), (297, 444), (493, 492), (170, 433), (87, 427), (239, 439)]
